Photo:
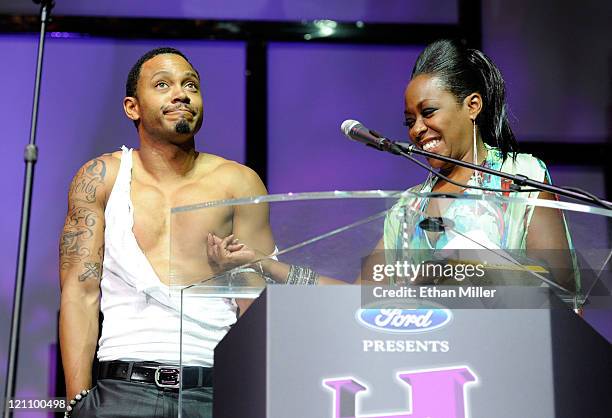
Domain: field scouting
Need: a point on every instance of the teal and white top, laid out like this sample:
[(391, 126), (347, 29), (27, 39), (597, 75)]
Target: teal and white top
[(496, 223), (504, 225)]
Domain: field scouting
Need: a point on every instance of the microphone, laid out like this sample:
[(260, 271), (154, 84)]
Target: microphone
[(357, 132)]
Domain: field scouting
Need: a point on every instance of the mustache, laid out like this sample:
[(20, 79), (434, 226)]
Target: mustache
[(181, 106)]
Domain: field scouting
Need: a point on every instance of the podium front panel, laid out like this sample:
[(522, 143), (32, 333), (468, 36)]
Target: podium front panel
[(316, 354)]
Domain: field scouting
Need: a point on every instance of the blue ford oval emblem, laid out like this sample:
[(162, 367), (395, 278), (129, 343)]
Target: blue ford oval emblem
[(404, 320)]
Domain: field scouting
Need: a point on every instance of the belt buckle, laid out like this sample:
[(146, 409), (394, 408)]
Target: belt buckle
[(167, 377)]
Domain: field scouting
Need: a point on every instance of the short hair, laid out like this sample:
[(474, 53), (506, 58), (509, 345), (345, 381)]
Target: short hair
[(134, 74), (464, 71)]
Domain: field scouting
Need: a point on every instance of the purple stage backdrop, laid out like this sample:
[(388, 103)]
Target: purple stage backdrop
[(312, 89), (557, 70)]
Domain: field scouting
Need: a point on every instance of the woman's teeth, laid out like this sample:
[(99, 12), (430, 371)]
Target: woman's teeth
[(431, 144)]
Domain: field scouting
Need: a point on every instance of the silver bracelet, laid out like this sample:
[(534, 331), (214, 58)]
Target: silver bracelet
[(78, 398), (302, 275)]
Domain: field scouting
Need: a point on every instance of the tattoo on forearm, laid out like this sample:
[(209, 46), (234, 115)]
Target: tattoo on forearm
[(92, 270), (87, 180)]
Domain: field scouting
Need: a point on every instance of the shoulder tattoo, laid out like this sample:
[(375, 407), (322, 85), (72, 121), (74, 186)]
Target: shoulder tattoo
[(85, 184)]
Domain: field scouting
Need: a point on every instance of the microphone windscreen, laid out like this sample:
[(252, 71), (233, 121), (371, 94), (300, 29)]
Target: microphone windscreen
[(347, 125)]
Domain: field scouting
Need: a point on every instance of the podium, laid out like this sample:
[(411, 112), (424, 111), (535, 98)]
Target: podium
[(304, 352), (454, 306)]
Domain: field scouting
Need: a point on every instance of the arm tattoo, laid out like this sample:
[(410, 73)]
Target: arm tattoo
[(92, 270), (83, 223), (87, 180), (78, 230)]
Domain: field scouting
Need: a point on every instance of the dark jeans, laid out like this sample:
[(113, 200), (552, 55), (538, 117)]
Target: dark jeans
[(119, 398)]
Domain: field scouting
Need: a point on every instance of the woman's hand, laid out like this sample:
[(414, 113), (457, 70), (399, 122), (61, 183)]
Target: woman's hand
[(227, 253)]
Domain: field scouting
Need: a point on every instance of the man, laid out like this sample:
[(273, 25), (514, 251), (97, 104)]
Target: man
[(114, 253)]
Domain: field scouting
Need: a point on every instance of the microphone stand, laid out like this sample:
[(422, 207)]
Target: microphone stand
[(518, 179), (30, 156)]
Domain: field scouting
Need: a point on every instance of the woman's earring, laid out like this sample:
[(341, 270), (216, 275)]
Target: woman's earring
[(475, 154), (477, 175)]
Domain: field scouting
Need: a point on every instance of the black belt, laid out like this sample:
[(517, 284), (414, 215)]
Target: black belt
[(162, 375)]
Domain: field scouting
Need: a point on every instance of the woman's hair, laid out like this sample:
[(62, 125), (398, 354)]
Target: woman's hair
[(465, 71)]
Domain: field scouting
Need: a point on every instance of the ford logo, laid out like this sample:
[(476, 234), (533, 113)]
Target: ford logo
[(404, 320)]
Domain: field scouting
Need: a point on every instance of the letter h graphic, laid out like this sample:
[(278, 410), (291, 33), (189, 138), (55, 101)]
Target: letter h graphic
[(435, 393)]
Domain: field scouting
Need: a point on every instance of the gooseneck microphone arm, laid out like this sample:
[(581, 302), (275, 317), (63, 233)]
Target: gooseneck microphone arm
[(517, 179), (30, 156), (357, 132)]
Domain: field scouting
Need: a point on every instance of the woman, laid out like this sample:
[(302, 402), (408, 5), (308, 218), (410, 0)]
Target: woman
[(455, 106)]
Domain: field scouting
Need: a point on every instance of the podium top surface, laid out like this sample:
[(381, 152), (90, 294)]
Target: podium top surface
[(396, 194)]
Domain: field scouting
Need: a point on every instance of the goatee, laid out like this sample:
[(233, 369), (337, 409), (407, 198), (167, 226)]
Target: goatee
[(182, 127)]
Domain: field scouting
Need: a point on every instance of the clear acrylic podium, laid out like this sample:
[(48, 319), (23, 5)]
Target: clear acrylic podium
[(480, 261)]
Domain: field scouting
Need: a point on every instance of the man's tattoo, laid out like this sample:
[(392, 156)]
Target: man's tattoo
[(86, 182), (78, 229), (78, 238), (92, 270)]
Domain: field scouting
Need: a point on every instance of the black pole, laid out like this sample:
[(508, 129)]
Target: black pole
[(30, 156), (470, 21), (257, 107)]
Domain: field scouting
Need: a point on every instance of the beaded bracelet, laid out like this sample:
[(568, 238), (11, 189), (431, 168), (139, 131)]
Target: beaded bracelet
[(78, 398)]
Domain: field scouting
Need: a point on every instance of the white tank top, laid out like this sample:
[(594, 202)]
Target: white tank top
[(141, 314)]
